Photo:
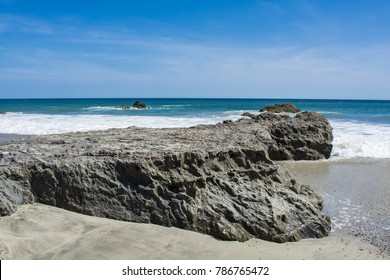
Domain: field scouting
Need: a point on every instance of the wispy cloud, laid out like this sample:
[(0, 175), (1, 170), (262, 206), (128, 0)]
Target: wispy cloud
[(15, 23), (101, 59)]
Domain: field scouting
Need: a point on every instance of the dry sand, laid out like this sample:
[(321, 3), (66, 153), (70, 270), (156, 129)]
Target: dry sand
[(43, 232)]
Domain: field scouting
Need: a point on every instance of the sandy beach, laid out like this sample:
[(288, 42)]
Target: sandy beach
[(43, 232), (355, 202)]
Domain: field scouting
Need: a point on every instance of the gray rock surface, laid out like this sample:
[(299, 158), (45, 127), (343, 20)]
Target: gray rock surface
[(248, 114), (215, 179), (307, 136)]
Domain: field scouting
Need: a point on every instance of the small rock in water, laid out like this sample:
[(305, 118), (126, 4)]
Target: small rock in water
[(281, 108), (137, 104)]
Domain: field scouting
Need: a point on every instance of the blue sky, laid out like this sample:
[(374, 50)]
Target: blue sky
[(172, 48)]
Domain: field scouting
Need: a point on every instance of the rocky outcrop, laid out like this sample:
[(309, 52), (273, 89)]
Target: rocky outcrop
[(2, 112), (137, 104), (281, 108), (306, 136), (248, 114), (124, 107), (215, 179)]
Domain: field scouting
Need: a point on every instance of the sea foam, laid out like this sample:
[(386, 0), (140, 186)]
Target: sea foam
[(50, 124), (353, 139)]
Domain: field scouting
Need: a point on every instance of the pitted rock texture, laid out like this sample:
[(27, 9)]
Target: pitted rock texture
[(306, 136), (214, 179)]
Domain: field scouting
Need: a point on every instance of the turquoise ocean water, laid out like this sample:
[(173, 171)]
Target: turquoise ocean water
[(361, 127)]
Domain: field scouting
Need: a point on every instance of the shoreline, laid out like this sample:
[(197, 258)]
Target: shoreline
[(355, 195)]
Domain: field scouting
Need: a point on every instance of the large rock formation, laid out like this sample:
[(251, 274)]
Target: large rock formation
[(215, 179)]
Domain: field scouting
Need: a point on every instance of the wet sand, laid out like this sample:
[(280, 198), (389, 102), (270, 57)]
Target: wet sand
[(356, 193), (6, 138)]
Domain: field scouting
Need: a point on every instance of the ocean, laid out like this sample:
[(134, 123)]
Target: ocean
[(361, 127)]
